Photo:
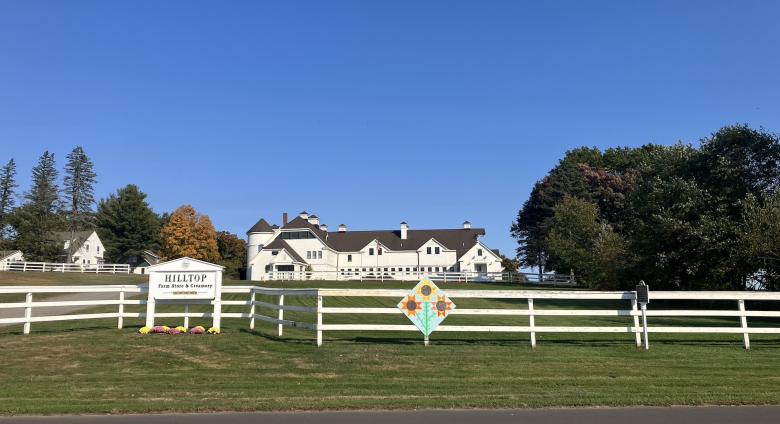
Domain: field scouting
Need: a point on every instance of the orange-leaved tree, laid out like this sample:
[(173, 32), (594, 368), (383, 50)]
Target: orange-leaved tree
[(189, 233)]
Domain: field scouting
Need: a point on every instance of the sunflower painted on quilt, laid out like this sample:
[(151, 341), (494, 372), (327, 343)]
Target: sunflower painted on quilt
[(426, 306)]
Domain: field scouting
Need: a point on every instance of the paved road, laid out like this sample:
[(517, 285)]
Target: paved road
[(705, 415), (57, 310)]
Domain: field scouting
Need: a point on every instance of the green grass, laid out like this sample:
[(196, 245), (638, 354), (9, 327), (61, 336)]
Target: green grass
[(89, 366)]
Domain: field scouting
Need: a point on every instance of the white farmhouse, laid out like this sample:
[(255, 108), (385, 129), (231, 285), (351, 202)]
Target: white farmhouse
[(304, 244), (10, 256), (85, 247)]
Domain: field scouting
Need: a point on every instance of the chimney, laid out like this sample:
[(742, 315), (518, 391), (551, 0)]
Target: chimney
[(404, 228), (314, 220), (324, 227), (284, 219), (466, 225), (304, 215), (342, 228)]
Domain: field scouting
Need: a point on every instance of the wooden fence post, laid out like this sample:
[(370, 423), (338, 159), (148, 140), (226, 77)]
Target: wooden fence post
[(120, 320), (319, 319), (280, 314), (252, 311), (532, 321), (28, 313), (635, 313), (743, 321)]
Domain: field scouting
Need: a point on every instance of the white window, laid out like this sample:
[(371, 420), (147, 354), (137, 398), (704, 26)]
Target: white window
[(98, 248), (349, 258), (479, 252), (437, 250), (308, 254), (319, 254), (428, 250), (379, 251), (371, 251)]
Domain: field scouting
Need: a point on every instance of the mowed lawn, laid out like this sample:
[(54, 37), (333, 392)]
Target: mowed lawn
[(90, 366)]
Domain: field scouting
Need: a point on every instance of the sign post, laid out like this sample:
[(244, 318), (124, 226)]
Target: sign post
[(183, 280), (643, 298)]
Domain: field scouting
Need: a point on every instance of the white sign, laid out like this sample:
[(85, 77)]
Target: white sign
[(184, 279), (183, 285)]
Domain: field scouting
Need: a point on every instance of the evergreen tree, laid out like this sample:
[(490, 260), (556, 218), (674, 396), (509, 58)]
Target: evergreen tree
[(35, 222), (78, 191), (126, 224), (7, 197)]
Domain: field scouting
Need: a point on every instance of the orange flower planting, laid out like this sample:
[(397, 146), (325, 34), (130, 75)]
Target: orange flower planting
[(410, 305)]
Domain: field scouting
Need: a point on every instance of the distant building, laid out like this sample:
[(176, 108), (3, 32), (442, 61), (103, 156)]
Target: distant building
[(85, 248), (10, 256), (304, 244), (139, 263)]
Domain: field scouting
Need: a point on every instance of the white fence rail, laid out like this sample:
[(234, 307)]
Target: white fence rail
[(398, 274), (321, 310), (20, 266)]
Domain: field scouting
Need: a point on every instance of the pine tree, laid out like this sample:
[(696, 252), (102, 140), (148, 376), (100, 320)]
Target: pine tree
[(126, 224), (7, 196), (35, 222), (189, 234), (78, 191)]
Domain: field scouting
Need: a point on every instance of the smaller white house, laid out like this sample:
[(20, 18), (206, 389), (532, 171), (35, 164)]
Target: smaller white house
[(84, 247), (7, 256)]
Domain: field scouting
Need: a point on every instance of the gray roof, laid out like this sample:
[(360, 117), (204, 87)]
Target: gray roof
[(5, 253), (279, 244), (459, 239), (79, 237), (262, 226)]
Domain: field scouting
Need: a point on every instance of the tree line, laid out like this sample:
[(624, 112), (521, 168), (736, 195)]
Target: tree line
[(124, 221), (678, 217)]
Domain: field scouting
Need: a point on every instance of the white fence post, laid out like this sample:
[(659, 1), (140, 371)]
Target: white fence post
[(635, 313), (319, 318), (280, 314), (120, 321), (743, 321), (531, 321), (186, 315), (27, 313), (252, 311)]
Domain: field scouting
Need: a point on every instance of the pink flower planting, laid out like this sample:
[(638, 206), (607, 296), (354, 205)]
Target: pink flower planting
[(159, 329), (197, 330), (174, 331)]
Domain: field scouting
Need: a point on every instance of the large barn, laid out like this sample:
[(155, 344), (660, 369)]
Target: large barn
[(304, 244)]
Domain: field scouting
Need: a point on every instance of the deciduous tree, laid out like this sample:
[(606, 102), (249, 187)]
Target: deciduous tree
[(188, 233)]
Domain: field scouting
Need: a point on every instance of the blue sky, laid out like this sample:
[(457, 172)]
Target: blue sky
[(369, 113)]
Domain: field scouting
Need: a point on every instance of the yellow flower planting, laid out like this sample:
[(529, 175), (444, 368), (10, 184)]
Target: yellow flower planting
[(144, 330), (213, 330)]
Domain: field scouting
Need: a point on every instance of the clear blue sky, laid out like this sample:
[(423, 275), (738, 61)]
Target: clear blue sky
[(369, 113)]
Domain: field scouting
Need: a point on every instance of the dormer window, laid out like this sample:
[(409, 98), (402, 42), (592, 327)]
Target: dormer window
[(370, 251), (436, 249), (428, 250), (479, 252), (379, 251)]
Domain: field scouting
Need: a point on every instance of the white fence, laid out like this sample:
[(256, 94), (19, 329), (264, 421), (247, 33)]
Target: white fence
[(20, 266), (321, 310), (396, 274)]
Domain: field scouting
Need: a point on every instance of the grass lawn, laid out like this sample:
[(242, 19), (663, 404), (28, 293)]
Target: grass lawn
[(89, 366)]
